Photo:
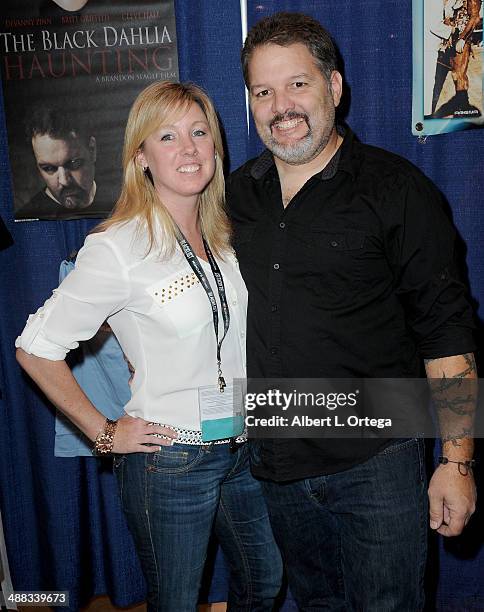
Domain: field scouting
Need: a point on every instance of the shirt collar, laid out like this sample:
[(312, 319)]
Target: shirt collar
[(341, 160)]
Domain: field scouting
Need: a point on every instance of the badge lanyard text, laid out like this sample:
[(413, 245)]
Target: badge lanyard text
[(202, 277)]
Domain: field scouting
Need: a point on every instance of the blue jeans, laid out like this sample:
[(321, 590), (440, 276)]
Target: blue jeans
[(173, 499), (356, 540)]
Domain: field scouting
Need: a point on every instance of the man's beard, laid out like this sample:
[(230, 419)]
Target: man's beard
[(305, 149), (71, 199)]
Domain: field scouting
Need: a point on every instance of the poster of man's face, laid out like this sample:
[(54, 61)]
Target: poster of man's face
[(64, 148), (67, 165)]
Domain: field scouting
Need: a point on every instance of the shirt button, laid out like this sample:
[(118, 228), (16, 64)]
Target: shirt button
[(274, 308), (274, 350), (282, 225), (334, 243), (234, 302), (276, 266), (242, 334)]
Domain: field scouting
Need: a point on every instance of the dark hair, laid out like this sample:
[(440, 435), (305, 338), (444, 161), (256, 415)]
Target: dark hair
[(286, 29), (57, 123)]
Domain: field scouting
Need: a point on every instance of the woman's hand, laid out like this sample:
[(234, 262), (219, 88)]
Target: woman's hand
[(133, 434)]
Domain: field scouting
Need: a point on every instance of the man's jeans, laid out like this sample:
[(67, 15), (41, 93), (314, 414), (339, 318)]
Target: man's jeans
[(172, 499), (356, 540)]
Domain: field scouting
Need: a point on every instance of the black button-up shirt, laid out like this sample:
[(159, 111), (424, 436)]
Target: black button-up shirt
[(354, 278)]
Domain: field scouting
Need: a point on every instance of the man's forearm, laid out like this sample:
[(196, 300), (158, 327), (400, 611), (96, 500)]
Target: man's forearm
[(473, 10), (452, 491), (453, 383)]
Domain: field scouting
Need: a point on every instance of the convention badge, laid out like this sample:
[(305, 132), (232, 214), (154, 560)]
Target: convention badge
[(221, 414)]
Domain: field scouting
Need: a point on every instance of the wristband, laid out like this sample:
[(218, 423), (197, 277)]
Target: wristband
[(462, 466), (103, 444)]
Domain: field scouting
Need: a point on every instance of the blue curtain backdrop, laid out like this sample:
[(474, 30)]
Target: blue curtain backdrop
[(64, 528)]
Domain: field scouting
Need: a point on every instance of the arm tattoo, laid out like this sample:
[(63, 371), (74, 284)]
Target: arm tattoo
[(471, 366), (458, 405), (457, 439), (454, 394), (470, 362)]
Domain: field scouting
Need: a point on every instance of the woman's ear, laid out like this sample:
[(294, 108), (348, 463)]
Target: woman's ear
[(141, 160)]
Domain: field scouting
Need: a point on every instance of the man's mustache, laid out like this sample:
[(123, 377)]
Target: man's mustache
[(287, 117), (69, 192)]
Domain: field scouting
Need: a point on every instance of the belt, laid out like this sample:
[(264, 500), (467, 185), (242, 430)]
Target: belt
[(194, 437)]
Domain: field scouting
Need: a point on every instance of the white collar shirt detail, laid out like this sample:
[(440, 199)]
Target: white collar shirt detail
[(160, 314)]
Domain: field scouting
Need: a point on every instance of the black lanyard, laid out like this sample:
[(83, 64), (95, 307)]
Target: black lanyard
[(202, 277)]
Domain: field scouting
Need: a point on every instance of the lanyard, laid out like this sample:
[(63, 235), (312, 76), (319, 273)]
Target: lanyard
[(202, 277)]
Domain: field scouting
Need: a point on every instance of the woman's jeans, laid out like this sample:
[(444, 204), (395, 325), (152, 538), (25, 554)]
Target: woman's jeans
[(173, 499), (356, 541)]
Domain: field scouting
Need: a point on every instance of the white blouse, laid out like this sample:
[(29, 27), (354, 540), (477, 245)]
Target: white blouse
[(160, 314)]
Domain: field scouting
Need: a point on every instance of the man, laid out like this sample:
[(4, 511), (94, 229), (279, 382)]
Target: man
[(65, 154), (348, 259), (437, 31)]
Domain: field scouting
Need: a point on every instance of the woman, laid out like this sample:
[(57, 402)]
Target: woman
[(149, 270)]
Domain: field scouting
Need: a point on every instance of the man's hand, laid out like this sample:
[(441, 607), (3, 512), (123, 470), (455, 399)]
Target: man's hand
[(459, 45), (452, 498), (452, 492)]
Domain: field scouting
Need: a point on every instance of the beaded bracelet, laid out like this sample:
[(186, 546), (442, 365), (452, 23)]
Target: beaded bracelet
[(103, 444), (462, 466)]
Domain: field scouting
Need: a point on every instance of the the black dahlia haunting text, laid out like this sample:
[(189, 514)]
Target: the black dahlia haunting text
[(77, 72), (105, 51)]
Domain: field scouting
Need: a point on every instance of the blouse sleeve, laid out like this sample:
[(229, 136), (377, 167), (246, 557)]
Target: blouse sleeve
[(97, 288)]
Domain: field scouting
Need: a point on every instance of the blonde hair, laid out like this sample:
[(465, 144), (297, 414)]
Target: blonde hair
[(159, 104)]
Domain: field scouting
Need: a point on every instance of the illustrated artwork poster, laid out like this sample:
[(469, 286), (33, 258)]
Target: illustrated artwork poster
[(447, 66), (71, 70)]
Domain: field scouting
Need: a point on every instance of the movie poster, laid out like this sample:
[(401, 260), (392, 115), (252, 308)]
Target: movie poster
[(448, 69), (70, 71)]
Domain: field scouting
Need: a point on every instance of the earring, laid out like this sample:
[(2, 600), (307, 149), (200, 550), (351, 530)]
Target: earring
[(145, 169), (215, 156)]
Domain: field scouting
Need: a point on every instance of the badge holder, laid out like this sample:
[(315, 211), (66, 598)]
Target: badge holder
[(221, 414)]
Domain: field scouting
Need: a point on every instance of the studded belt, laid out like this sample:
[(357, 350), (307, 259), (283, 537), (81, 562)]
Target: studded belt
[(194, 437)]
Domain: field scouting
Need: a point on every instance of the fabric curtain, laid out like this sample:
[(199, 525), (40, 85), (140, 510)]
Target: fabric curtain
[(63, 525)]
